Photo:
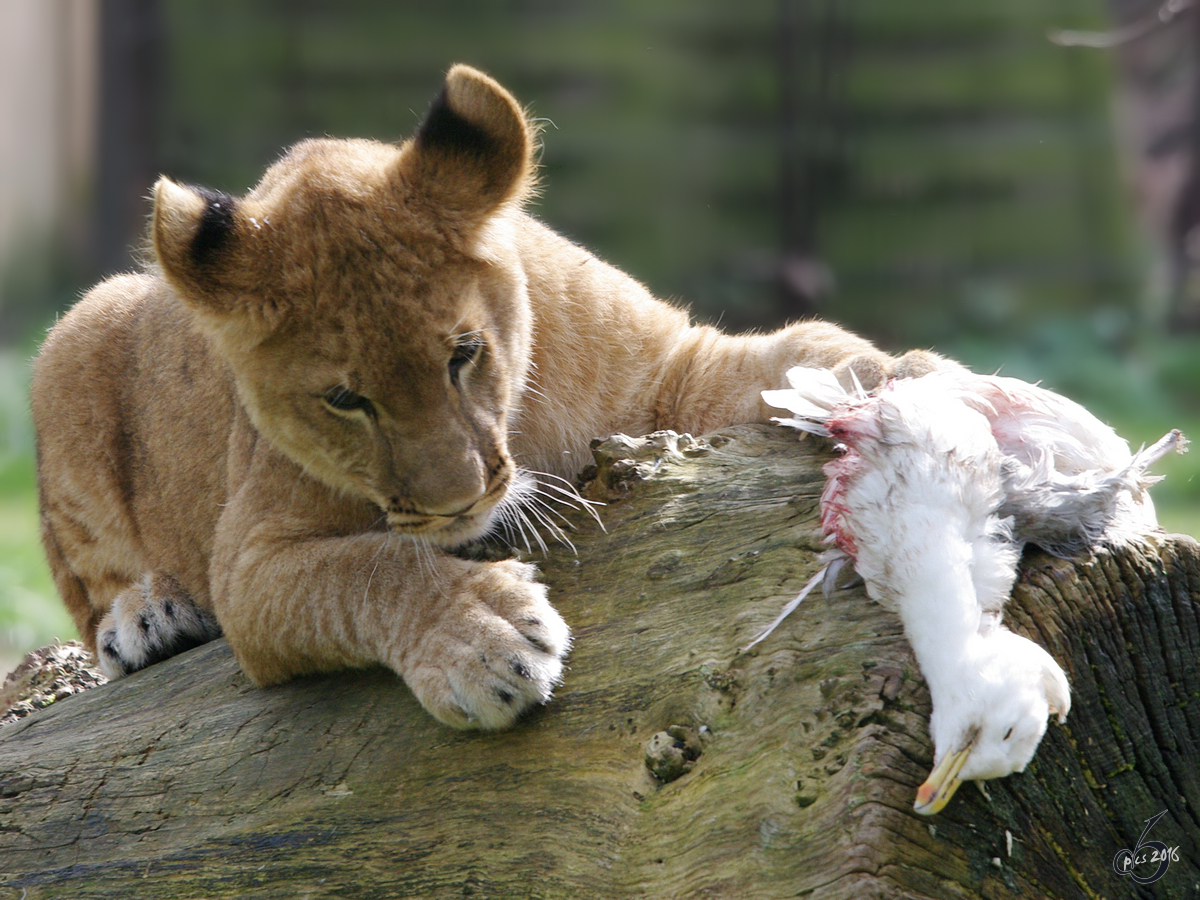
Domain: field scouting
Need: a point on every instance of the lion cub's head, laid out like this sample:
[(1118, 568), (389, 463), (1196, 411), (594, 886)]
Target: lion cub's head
[(369, 302)]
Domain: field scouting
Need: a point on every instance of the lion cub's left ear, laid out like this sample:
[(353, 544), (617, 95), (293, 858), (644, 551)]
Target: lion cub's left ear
[(474, 151)]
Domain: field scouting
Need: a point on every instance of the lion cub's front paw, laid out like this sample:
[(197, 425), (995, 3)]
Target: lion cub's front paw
[(872, 370), (497, 651), (916, 363)]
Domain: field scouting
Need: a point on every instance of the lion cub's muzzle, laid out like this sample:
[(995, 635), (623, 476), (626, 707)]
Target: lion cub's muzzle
[(455, 526)]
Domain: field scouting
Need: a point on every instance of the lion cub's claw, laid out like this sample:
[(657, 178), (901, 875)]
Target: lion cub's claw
[(492, 659)]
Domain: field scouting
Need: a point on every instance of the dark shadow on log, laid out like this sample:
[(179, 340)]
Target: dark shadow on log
[(184, 781)]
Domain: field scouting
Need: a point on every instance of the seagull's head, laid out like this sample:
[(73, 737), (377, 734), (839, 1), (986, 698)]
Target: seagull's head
[(990, 722)]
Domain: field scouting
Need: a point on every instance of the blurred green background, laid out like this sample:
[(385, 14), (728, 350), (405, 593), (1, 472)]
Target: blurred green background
[(936, 173)]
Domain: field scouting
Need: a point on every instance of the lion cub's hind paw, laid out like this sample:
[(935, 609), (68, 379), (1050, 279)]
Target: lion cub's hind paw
[(149, 622)]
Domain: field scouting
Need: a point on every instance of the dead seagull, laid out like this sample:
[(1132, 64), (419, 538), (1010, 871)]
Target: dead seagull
[(939, 482)]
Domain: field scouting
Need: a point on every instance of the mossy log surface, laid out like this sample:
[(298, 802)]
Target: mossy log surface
[(791, 772)]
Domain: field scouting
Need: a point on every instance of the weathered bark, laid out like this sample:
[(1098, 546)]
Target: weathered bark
[(185, 781)]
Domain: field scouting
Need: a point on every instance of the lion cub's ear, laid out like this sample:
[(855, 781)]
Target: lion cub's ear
[(200, 239), (474, 151)]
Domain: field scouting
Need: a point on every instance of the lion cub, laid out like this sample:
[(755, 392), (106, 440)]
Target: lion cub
[(270, 433)]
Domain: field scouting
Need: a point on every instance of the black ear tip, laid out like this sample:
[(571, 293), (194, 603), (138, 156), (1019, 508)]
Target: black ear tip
[(444, 128), (216, 225), (473, 151)]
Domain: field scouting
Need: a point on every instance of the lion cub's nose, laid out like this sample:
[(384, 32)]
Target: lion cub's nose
[(451, 491)]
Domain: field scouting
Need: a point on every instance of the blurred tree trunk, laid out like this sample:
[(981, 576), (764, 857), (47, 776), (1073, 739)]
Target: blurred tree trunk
[(1157, 50), (787, 771), (814, 48), (1185, 232), (131, 77)]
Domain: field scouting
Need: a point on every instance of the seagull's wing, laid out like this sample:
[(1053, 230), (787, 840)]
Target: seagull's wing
[(1070, 480), (1030, 422)]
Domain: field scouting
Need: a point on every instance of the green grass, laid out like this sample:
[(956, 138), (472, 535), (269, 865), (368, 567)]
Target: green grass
[(31, 614)]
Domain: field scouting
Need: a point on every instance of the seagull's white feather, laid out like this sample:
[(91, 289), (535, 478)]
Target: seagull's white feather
[(807, 425), (813, 395)]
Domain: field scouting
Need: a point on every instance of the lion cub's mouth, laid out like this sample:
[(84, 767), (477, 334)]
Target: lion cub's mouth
[(455, 528)]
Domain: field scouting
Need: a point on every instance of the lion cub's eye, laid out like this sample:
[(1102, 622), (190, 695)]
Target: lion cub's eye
[(465, 352), (345, 400)]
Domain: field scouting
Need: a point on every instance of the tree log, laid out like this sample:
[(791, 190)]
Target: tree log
[(788, 771)]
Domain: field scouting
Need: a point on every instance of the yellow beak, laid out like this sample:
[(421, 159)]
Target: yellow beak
[(943, 781)]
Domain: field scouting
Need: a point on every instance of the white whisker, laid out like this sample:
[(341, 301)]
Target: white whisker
[(531, 525), (535, 499), (565, 492), (387, 537), (426, 558), (549, 524), (534, 506), (415, 543), (514, 530)]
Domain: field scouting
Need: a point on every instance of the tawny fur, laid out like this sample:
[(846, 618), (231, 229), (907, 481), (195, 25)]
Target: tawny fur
[(190, 432)]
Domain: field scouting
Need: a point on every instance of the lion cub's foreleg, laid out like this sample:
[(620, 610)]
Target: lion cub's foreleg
[(712, 379), (148, 622), (477, 643)]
